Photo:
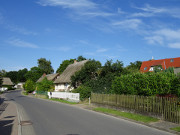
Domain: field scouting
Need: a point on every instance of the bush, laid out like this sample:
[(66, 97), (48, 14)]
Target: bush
[(29, 86), (85, 92), (147, 84), (45, 85)]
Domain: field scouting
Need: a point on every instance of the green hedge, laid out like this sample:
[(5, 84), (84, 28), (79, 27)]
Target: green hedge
[(147, 84)]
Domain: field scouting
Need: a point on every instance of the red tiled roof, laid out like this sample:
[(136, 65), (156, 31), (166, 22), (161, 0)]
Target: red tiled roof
[(165, 63)]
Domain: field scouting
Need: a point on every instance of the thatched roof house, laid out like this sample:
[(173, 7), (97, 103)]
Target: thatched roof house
[(50, 77), (7, 81), (65, 77), (63, 82)]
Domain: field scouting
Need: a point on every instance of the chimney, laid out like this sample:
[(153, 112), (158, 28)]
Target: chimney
[(75, 61), (152, 58)]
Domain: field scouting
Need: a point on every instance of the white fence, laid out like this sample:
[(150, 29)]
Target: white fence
[(65, 95)]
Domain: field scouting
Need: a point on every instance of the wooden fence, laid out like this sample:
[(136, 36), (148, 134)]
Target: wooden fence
[(166, 108)]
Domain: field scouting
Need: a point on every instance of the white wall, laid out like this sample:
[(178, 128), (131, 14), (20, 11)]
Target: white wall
[(63, 87), (65, 95)]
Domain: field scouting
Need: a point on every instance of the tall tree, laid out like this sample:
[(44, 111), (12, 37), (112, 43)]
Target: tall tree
[(45, 66), (1, 81), (21, 75), (80, 58), (12, 75), (34, 74), (64, 65), (134, 66)]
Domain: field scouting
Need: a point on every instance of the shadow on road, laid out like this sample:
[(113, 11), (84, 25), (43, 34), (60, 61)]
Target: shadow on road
[(6, 127)]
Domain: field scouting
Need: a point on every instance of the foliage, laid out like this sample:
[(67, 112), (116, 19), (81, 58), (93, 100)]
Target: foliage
[(34, 74), (80, 58), (45, 85), (21, 75), (29, 86), (137, 117), (2, 73), (176, 129), (133, 67), (12, 75), (170, 70), (146, 84), (45, 66), (1, 81), (64, 65), (63, 101), (85, 92), (87, 73)]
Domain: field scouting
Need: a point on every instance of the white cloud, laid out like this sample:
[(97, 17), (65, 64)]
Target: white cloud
[(150, 11), (69, 3), (120, 11), (64, 48), (155, 40), (20, 30), (128, 23), (101, 50), (174, 45), (20, 43), (79, 7)]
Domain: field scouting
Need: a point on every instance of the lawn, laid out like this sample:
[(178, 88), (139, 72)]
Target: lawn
[(176, 129), (63, 101), (137, 117)]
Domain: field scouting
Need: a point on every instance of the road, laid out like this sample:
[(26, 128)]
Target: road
[(51, 118)]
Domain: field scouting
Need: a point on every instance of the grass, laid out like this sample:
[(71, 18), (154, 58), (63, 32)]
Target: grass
[(137, 117), (63, 101), (176, 129)]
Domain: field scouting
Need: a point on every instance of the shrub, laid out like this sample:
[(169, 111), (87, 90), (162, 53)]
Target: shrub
[(45, 85), (29, 86), (147, 84), (85, 92)]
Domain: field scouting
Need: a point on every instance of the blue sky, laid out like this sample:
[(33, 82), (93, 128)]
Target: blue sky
[(125, 30)]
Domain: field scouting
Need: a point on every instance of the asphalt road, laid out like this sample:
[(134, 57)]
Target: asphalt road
[(51, 118)]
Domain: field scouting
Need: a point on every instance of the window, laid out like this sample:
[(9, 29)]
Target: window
[(172, 60), (145, 68)]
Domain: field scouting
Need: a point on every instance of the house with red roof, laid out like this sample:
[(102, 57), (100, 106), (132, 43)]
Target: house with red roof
[(148, 66)]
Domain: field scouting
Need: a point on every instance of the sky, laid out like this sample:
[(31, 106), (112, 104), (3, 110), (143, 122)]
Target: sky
[(124, 30)]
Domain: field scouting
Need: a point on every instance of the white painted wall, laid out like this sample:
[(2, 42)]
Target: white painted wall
[(63, 87), (65, 95)]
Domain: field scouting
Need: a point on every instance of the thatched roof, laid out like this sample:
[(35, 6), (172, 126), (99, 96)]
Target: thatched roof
[(7, 81), (50, 77), (65, 77)]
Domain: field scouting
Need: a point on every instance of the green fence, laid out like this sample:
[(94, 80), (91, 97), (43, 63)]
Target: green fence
[(41, 92), (166, 108)]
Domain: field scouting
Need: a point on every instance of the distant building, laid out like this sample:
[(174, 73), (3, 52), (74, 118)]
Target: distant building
[(6, 82), (148, 66)]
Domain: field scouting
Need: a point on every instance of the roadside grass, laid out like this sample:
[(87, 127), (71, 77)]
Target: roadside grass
[(176, 129), (137, 117), (63, 101)]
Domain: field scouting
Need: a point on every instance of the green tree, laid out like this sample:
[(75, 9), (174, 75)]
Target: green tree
[(1, 81), (87, 73), (2, 73), (34, 74), (80, 58), (12, 75), (133, 67), (29, 86), (21, 75), (64, 65), (45, 85), (45, 66)]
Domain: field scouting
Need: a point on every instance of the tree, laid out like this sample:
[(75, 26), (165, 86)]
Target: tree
[(34, 74), (2, 73), (45, 85), (1, 81), (29, 86), (64, 65), (80, 58), (21, 75), (87, 73), (45, 66), (12, 75), (134, 67)]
